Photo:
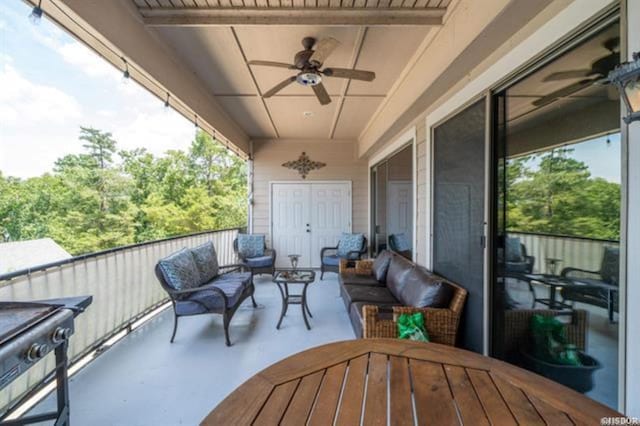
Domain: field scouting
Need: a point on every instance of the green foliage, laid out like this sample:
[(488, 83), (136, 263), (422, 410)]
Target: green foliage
[(103, 198), (561, 197)]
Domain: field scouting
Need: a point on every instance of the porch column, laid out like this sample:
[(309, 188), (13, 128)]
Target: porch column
[(632, 322)]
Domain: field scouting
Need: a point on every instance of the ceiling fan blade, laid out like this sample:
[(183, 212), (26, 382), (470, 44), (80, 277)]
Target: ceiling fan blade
[(279, 87), (352, 74), (324, 48), (563, 93), (272, 64), (321, 94), (564, 75)]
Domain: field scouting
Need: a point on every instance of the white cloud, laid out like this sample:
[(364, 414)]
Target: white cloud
[(85, 59), (157, 131), (22, 100)]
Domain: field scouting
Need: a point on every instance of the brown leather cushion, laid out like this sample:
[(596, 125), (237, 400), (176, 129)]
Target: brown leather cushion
[(423, 289), (365, 293), (381, 265), (353, 279), (398, 270)]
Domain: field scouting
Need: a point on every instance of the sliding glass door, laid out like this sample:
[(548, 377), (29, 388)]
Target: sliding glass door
[(556, 286)]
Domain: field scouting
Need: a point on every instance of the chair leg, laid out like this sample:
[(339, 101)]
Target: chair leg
[(175, 326), (253, 300), (321, 273), (225, 322)]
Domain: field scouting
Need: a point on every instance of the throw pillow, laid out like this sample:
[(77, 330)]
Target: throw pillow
[(250, 245), (349, 243), (180, 270), (381, 265), (514, 250), (206, 261), (401, 242)]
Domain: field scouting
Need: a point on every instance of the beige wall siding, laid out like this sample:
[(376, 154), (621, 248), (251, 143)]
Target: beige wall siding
[(342, 164), (421, 165)]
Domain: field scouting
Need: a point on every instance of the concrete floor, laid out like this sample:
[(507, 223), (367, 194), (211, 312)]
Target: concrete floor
[(145, 380)]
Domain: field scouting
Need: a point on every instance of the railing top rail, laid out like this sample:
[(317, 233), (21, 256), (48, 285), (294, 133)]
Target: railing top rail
[(10, 275), (575, 237)]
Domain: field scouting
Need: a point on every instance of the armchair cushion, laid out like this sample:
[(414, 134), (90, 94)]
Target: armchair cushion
[(399, 242), (259, 262), (332, 260), (381, 265), (610, 269), (349, 243), (209, 300), (206, 260), (180, 270), (514, 250), (250, 245)]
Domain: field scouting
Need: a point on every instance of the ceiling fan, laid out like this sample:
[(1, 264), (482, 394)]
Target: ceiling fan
[(597, 74), (308, 62)]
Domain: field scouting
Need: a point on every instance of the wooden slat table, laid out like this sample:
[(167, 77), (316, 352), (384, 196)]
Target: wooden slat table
[(399, 382)]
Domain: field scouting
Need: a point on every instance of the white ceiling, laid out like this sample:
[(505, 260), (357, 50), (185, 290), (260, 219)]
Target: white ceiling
[(218, 55)]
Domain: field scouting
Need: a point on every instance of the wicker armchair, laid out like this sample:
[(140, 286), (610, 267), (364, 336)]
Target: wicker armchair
[(441, 324), (518, 325)]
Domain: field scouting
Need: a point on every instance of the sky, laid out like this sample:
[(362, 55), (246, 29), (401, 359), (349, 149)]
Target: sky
[(50, 85)]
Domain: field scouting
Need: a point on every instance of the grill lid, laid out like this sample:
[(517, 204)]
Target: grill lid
[(16, 317)]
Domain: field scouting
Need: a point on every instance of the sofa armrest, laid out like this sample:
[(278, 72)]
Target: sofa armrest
[(441, 324), (568, 271), (234, 267)]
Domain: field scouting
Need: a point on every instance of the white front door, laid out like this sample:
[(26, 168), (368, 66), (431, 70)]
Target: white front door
[(307, 217), (291, 204), (400, 209)]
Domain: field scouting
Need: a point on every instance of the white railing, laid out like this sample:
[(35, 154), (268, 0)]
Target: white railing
[(122, 283), (582, 253)]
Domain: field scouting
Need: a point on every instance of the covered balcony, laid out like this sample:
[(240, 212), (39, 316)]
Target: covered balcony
[(479, 144)]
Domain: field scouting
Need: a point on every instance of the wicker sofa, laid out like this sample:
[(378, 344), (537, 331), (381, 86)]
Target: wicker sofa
[(395, 286)]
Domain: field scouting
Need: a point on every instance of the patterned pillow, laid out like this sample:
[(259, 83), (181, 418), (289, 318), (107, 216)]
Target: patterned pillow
[(401, 242), (250, 245), (514, 250), (180, 270), (348, 243), (206, 261)]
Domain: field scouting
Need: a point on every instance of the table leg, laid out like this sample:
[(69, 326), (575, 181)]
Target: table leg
[(303, 304), (552, 297), (285, 304)]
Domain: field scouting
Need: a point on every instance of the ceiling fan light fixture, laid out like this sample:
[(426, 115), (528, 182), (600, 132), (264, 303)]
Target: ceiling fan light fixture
[(309, 79)]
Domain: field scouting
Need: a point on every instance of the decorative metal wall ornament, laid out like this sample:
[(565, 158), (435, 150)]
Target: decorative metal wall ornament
[(303, 165)]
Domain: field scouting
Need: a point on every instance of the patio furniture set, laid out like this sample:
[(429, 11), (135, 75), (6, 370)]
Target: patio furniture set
[(596, 288)]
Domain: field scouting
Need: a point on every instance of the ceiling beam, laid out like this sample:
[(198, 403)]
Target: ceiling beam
[(292, 16)]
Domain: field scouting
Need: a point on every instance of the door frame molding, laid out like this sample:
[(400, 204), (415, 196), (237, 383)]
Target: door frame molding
[(319, 182)]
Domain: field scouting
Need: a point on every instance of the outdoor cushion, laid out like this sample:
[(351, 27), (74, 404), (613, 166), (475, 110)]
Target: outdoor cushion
[(400, 242), (381, 265), (365, 293), (398, 269), (250, 245), (610, 269), (180, 270), (422, 289), (243, 277), (259, 262), (332, 260), (209, 300), (353, 279), (349, 243), (514, 250), (206, 261)]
